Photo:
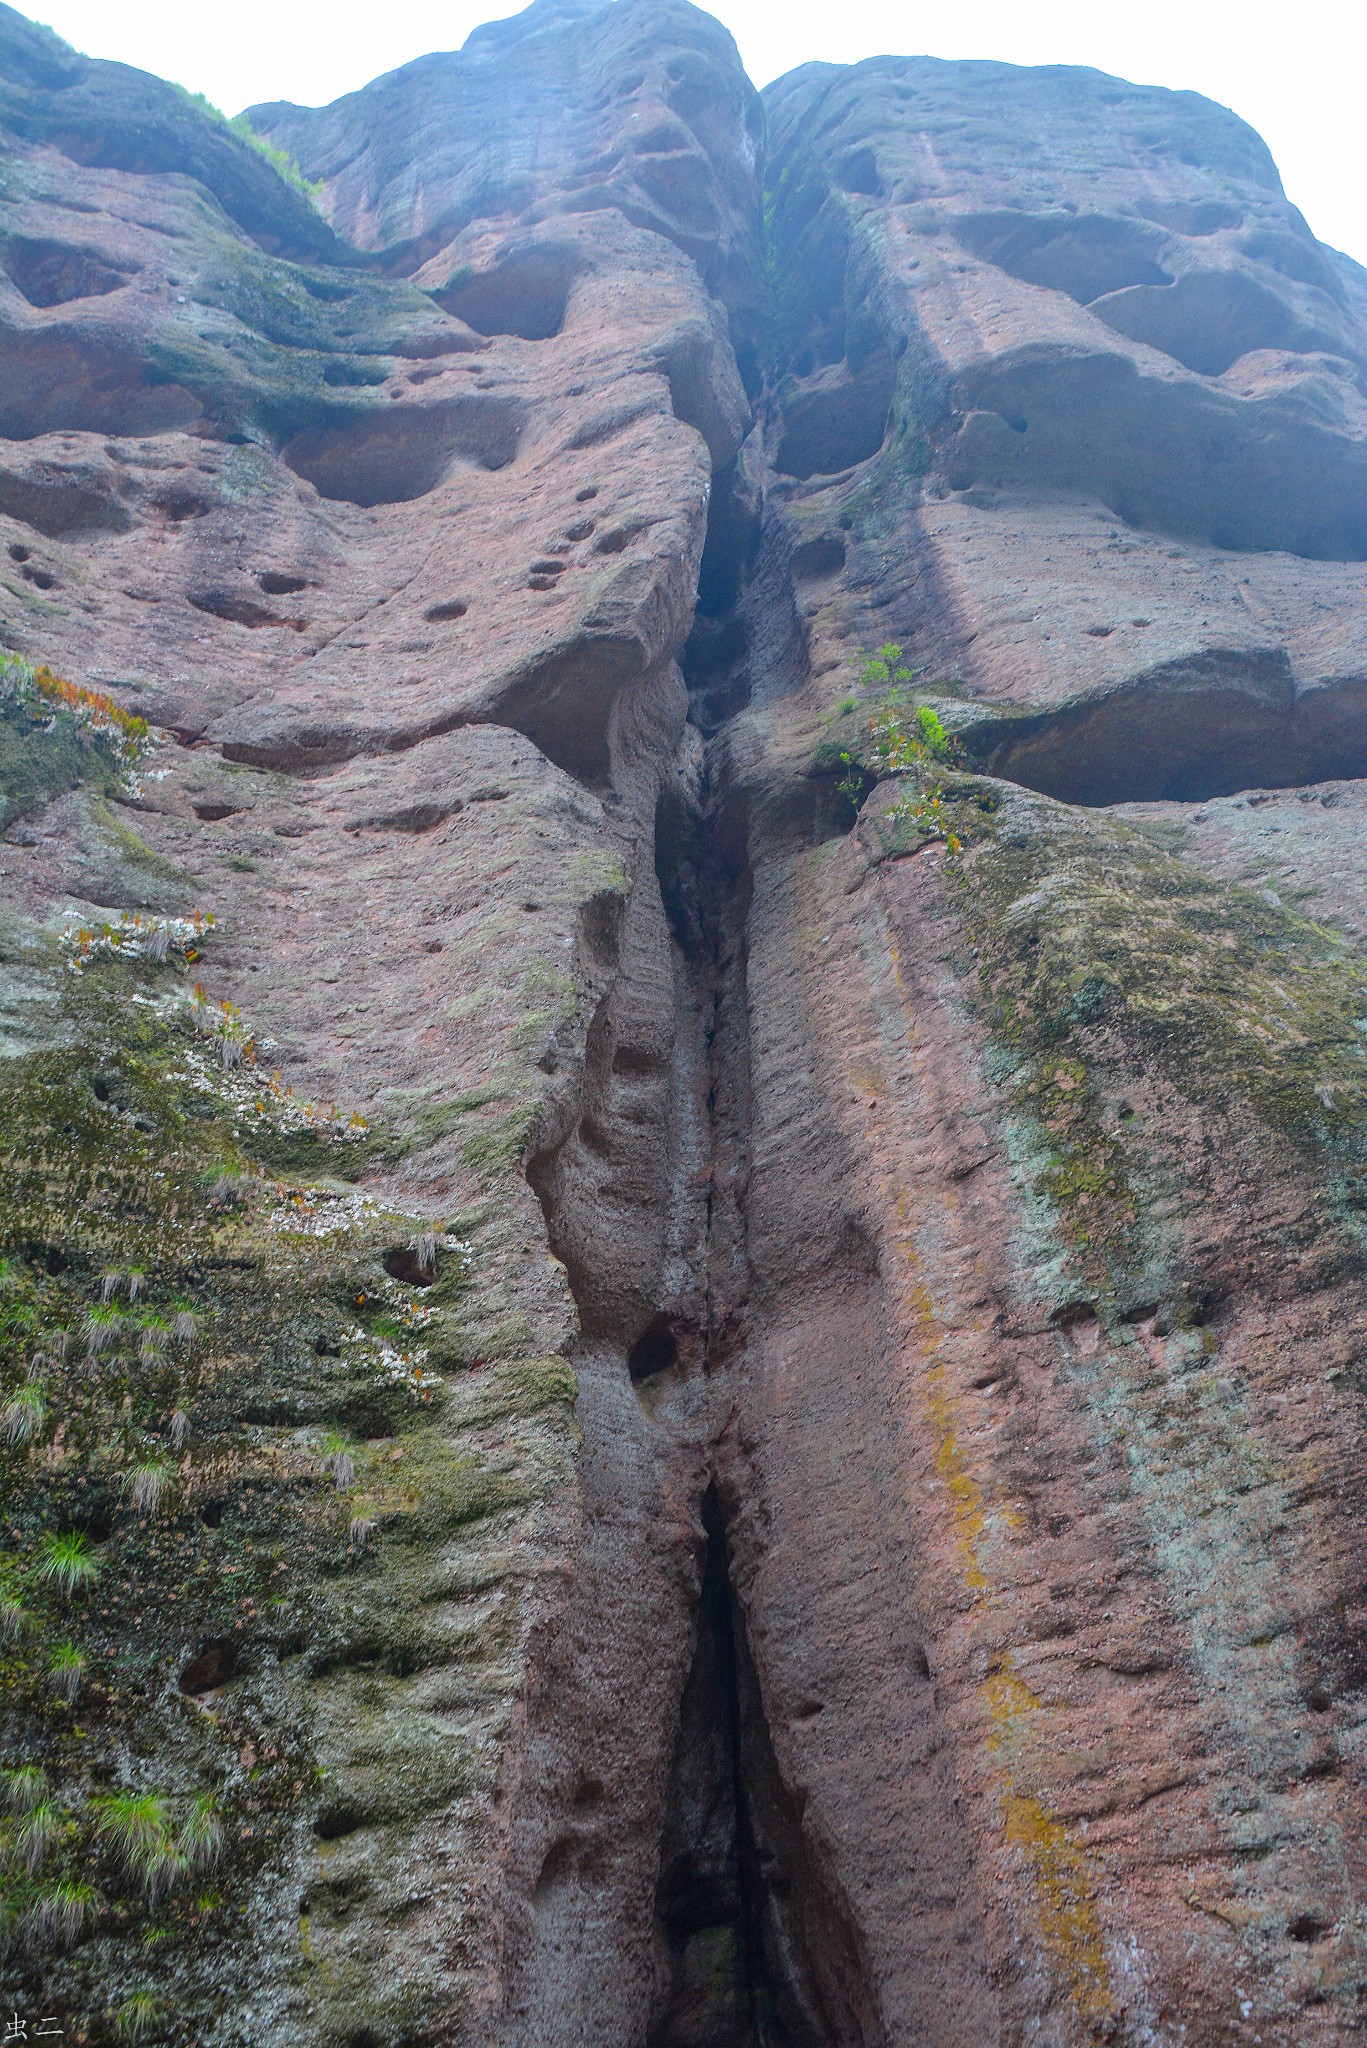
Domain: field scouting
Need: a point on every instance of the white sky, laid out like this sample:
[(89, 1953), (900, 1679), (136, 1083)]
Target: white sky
[(1296, 72)]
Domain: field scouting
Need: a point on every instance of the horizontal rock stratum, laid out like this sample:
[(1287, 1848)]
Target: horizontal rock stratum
[(684, 1084)]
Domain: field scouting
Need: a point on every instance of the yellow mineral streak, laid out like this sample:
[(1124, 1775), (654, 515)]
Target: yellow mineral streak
[(1059, 1884)]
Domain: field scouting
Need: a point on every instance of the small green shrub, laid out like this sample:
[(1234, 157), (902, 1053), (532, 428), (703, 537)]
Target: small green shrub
[(203, 1835), (38, 1830), (25, 1412), (146, 1483), (68, 1562), (67, 1668), (23, 1788), (61, 1911), (138, 2017)]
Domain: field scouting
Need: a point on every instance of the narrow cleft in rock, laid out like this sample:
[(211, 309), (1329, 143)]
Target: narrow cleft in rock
[(750, 1954)]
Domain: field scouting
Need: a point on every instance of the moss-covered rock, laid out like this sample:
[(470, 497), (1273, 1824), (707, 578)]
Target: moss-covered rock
[(233, 1479)]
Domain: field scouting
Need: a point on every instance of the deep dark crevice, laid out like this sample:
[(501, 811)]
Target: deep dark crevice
[(753, 1945), (655, 1351), (715, 659), (750, 1951), (753, 1949)]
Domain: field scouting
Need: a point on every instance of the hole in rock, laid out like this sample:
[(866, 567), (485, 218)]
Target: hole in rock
[(94, 1519), (423, 817), (836, 418), (53, 273), (338, 1817), (277, 583), (389, 457), (42, 579), (84, 377), (442, 614), (563, 703), (58, 505), (1085, 255), (589, 492), (755, 1948), (349, 373), (656, 1350), (526, 294), (1195, 216), (665, 139), (859, 173), (1307, 1927), (16, 553), (1139, 444), (402, 1262), (1159, 741), (177, 505), (600, 927), (1305, 262), (1209, 318), (49, 1258), (814, 560), (213, 1664), (638, 1062), (236, 609), (212, 814)]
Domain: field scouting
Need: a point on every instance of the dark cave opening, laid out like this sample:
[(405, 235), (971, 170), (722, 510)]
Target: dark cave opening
[(733, 1905)]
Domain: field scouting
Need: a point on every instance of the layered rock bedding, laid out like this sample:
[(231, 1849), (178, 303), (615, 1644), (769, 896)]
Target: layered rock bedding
[(684, 1084)]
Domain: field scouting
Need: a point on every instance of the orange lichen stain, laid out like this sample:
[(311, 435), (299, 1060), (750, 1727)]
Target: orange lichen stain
[(1010, 1703), (1059, 1882), (965, 1494), (1070, 1925), (966, 1499)]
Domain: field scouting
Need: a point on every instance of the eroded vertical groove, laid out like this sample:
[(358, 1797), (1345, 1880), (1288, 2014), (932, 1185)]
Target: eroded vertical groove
[(727, 1977), (685, 1906), (753, 1949)]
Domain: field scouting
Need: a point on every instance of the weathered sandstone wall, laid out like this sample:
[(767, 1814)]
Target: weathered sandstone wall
[(701, 1391)]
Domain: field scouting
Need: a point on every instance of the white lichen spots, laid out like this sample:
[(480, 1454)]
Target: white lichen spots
[(135, 935)]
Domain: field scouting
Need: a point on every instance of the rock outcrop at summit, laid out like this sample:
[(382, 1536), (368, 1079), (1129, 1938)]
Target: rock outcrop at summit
[(1122, 359), (683, 1320)]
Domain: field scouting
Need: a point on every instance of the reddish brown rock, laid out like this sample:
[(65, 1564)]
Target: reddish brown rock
[(940, 1621)]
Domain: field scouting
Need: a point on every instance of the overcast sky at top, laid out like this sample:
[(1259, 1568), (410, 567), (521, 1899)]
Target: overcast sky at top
[(1296, 72)]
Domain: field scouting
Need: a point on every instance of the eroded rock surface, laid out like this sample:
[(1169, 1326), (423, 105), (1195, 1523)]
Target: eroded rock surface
[(706, 1381)]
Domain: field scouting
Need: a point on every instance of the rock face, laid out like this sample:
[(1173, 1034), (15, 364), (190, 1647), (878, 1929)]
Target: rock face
[(755, 1436)]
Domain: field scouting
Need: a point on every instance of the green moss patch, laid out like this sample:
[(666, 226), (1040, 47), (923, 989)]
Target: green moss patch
[(222, 1448)]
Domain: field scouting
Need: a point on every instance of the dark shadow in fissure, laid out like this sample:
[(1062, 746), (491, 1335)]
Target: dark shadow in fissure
[(749, 1952), (715, 656)]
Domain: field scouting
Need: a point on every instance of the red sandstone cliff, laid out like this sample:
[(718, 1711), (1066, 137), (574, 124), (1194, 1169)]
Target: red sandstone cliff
[(709, 1395)]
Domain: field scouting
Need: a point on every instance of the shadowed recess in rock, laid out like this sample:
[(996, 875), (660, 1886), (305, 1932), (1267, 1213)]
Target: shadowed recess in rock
[(714, 659), (751, 1952), (1085, 255), (525, 295), (51, 273), (377, 457), (1235, 725)]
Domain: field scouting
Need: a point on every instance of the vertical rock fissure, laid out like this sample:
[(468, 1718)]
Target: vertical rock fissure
[(690, 1873), (750, 1950), (730, 1976)]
